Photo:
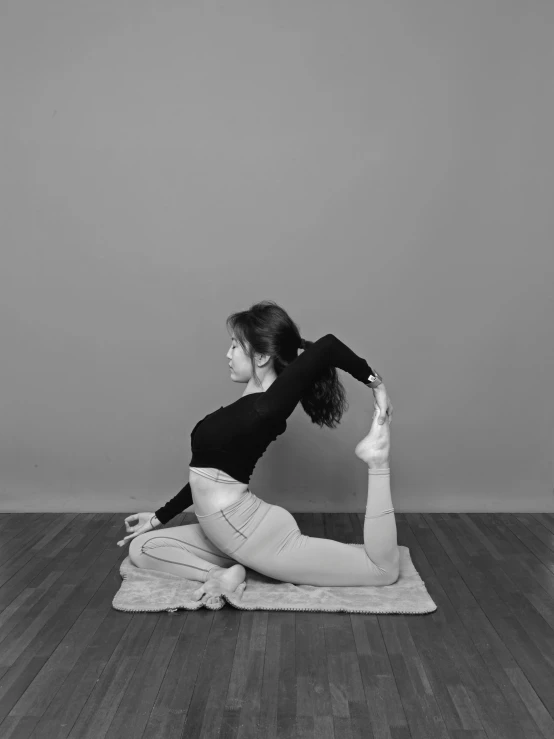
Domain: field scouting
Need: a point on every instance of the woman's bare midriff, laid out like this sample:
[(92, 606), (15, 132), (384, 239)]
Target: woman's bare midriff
[(210, 496)]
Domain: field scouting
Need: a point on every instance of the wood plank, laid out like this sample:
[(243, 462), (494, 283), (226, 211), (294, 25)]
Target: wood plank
[(205, 712), (16, 524), (431, 637), (242, 706), (175, 696), (543, 533), (34, 627), (314, 703), (348, 704), (19, 552), (32, 563), (496, 713), (160, 632), (520, 558), (498, 658), (40, 666)]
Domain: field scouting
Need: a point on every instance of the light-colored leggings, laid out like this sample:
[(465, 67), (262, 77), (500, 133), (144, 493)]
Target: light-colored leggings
[(266, 538)]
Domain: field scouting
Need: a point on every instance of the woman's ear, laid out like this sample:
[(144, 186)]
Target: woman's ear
[(262, 359)]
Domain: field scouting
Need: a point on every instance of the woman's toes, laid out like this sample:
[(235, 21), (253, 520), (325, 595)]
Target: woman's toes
[(197, 594)]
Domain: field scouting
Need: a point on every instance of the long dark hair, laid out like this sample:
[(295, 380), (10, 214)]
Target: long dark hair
[(268, 329)]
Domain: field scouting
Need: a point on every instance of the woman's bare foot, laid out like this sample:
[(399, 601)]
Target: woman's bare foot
[(221, 580), (374, 449)]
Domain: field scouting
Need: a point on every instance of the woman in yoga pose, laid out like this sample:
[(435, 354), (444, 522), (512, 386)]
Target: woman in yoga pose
[(236, 528)]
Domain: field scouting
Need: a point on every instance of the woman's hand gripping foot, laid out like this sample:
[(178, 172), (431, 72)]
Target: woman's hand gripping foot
[(374, 449), (221, 581)]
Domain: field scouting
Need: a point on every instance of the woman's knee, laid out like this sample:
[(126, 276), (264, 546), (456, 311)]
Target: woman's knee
[(136, 544), (385, 573), (392, 571), (392, 575)]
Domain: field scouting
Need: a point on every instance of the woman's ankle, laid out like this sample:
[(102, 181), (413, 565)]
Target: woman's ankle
[(213, 571)]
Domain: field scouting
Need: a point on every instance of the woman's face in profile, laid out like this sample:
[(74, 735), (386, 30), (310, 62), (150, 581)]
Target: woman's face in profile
[(240, 367)]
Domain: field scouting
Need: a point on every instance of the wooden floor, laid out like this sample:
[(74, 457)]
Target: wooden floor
[(482, 665)]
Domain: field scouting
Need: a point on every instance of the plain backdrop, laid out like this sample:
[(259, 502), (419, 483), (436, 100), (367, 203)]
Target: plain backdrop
[(383, 171)]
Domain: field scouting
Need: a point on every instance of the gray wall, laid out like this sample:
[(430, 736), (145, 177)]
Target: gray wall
[(384, 171)]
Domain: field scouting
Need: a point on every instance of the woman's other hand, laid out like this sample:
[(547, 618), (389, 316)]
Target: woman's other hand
[(141, 526), (382, 402)]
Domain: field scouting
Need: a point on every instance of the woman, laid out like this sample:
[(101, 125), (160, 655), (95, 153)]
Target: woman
[(236, 528)]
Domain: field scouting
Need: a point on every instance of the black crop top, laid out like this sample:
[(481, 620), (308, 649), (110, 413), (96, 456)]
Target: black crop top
[(233, 438)]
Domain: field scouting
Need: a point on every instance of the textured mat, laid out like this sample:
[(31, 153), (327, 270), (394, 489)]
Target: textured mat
[(150, 590)]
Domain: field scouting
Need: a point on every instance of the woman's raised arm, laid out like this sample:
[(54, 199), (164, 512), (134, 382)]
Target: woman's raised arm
[(284, 393)]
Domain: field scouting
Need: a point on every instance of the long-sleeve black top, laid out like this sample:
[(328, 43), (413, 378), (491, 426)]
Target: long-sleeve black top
[(233, 438)]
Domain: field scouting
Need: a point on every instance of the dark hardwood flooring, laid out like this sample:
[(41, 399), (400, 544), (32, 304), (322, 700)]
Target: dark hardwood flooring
[(481, 666)]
